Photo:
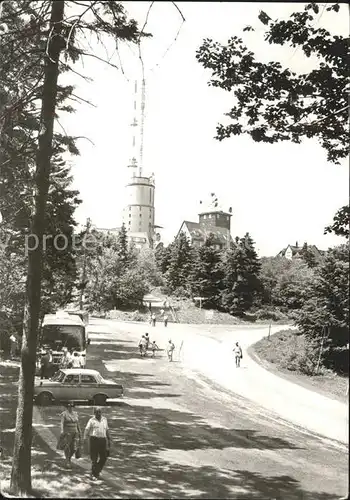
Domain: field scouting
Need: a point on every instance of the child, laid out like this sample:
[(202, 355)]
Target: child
[(154, 347)]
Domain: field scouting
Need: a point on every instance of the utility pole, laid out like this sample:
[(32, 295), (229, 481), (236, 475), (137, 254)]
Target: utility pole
[(83, 278)]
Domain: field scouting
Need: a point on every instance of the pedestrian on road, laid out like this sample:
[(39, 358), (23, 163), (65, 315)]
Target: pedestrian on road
[(238, 354), (154, 319), (154, 347), (46, 364), (99, 442), (66, 358), (142, 346), (170, 350), (165, 320), (70, 438), (147, 340), (76, 360), (13, 347)]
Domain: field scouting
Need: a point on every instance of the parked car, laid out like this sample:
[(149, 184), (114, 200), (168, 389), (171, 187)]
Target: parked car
[(76, 384)]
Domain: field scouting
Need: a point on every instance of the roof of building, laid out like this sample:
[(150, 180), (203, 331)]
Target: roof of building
[(215, 211), (296, 250), (199, 233)]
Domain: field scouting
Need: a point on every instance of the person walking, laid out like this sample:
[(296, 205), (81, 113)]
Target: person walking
[(170, 350), (142, 346), (70, 437), (147, 340), (238, 354), (99, 442), (165, 320), (45, 363), (13, 346), (154, 348), (154, 319)]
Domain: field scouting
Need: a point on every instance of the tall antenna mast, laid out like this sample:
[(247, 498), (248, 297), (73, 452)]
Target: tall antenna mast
[(134, 123), (142, 122)]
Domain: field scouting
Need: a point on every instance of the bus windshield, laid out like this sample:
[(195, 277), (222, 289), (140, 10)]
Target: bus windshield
[(58, 336)]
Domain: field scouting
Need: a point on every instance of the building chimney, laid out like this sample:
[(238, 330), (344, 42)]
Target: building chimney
[(296, 244)]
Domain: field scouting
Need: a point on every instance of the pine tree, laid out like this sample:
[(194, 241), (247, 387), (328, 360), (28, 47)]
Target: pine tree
[(122, 245), (241, 283), (180, 263), (327, 307), (206, 274), (162, 256)]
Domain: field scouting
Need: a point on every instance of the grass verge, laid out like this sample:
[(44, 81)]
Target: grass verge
[(286, 354)]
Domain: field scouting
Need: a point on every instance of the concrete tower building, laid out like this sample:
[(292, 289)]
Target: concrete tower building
[(139, 214)]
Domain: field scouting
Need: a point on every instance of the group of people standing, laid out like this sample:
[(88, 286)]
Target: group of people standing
[(69, 359), (145, 344), (153, 319), (96, 435)]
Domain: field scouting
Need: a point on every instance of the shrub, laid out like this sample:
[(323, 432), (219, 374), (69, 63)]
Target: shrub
[(289, 350), (270, 313)]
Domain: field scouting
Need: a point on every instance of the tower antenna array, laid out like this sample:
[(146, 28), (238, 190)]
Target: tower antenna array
[(142, 122)]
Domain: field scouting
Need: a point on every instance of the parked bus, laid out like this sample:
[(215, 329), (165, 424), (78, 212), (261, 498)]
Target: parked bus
[(62, 330)]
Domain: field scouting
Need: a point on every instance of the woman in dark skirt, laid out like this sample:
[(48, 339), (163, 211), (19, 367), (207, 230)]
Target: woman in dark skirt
[(70, 438)]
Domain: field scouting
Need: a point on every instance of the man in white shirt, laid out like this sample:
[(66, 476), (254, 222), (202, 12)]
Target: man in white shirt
[(66, 358), (76, 360), (99, 442)]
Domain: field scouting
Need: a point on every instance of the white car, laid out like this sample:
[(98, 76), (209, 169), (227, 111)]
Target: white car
[(76, 384)]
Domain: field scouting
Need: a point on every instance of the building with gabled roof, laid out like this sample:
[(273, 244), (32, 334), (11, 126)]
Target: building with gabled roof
[(212, 220), (295, 251)]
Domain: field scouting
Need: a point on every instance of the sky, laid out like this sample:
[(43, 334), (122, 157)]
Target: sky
[(280, 193)]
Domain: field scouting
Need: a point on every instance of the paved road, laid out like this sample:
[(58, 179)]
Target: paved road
[(177, 435)]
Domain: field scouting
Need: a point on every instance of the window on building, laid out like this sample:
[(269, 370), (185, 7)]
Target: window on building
[(150, 195), (140, 208), (129, 215), (140, 215), (129, 209)]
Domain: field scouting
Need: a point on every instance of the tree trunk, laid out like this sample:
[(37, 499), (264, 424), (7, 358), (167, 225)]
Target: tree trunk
[(21, 465)]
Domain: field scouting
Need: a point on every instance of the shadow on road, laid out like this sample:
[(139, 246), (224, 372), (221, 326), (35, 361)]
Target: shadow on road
[(154, 449)]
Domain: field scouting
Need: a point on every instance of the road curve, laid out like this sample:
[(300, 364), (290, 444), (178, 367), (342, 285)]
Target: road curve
[(179, 435)]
